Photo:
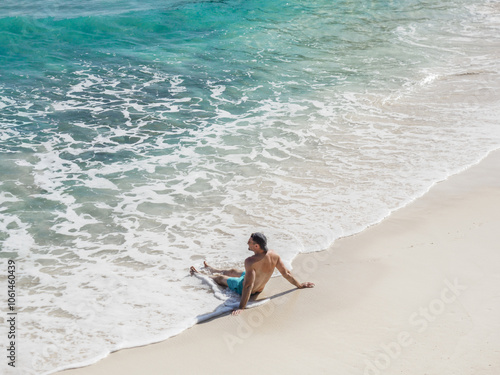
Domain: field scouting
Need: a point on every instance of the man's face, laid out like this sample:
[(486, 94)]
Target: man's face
[(251, 244)]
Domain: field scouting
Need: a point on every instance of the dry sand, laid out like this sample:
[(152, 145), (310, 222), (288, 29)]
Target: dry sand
[(417, 294)]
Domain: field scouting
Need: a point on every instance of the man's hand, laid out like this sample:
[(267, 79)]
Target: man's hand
[(306, 285), (236, 312)]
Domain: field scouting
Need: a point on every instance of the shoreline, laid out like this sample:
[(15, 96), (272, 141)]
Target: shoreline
[(416, 293)]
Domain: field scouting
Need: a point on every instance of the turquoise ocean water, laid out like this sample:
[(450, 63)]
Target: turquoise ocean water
[(140, 137)]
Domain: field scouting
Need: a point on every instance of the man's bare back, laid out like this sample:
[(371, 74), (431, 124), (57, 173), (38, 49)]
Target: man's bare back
[(263, 265)]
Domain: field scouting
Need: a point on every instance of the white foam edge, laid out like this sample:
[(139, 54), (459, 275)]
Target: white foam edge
[(231, 302), (417, 195)]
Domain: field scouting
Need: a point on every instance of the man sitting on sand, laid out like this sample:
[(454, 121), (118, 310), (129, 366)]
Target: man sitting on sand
[(258, 270)]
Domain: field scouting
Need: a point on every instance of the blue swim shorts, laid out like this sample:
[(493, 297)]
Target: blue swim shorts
[(236, 283)]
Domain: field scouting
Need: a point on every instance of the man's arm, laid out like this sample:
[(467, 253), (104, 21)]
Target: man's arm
[(287, 274), (248, 282)]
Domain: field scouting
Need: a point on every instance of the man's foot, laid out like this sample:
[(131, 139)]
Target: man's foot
[(193, 270)]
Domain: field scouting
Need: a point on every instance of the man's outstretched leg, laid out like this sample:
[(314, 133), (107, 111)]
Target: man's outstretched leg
[(219, 279), (233, 272)]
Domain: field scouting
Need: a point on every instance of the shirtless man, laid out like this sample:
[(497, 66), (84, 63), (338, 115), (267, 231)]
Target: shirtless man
[(258, 270)]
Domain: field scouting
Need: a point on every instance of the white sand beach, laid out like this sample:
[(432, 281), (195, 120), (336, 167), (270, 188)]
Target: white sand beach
[(418, 293)]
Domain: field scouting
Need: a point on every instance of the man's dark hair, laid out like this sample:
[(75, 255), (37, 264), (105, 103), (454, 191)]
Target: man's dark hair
[(260, 239)]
